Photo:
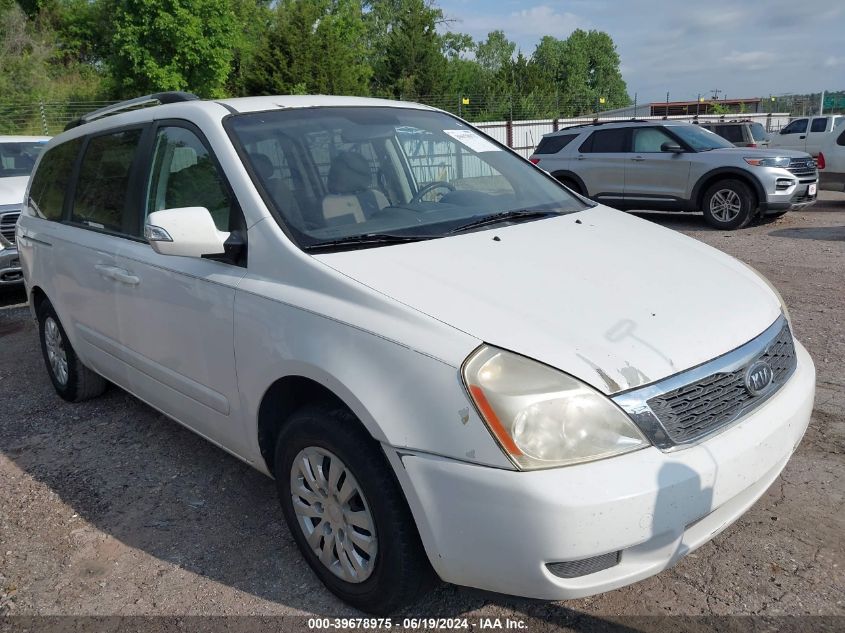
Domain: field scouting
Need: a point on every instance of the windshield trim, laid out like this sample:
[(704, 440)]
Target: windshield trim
[(299, 239)]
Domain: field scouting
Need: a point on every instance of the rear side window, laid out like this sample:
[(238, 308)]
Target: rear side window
[(553, 144), (819, 124), (606, 142), (100, 199), (47, 191), (841, 139), (732, 133)]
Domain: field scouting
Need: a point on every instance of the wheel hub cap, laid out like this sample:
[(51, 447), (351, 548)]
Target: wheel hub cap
[(55, 350), (725, 205), (333, 514)]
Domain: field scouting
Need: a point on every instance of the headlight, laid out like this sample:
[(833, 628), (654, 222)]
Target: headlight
[(780, 161), (542, 417), (771, 286)]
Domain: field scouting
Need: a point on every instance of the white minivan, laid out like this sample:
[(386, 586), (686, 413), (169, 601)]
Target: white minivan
[(452, 365)]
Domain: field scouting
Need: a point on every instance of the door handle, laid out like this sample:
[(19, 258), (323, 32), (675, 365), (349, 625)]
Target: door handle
[(118, 274), (581, 157), (803, 136), (637, 158)]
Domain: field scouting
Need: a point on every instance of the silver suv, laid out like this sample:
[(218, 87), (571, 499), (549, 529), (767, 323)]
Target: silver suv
[(678, 166)]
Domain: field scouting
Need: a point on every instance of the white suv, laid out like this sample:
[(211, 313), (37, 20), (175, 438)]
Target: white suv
[(451, 364)]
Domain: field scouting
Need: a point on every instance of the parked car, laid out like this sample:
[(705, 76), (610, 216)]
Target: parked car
[(449, 362), (739, 133), (17, 158), (677, 166), (806, 134), (831, 160)]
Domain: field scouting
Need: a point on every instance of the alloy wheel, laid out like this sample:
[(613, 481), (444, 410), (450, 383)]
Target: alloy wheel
[(333, 514), (725, 205), (54, 343)]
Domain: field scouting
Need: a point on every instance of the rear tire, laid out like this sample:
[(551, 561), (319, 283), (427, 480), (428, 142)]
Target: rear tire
[(321, 454), (72, 380), (729, 204)]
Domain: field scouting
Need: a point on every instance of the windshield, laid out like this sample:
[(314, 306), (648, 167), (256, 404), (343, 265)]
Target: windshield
[(18, 159), (357, 174), (700, 139)]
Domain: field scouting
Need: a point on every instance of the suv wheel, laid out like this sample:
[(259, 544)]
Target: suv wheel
[(568, 182), (346, 511), (72, 380), (729, 204)]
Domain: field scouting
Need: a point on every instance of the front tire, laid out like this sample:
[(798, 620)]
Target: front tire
[(72, 380), (729, 204), (347, 513)]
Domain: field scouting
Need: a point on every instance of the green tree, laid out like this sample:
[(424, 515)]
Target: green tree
[(312, 47), (494, 53), (406, 48), (170, 45)]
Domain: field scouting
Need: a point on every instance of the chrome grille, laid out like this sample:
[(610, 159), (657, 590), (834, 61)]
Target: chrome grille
[(7, 224), (802, 166), (700, 407), (696, 403)]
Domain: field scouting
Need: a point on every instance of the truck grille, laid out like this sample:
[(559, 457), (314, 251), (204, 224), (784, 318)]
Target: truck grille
[(701, 407), (802, 167), (7, 224)]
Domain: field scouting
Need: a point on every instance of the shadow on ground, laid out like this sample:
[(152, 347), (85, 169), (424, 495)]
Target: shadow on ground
[(824, 233)]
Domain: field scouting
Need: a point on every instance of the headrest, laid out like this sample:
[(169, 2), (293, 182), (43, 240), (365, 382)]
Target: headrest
[(262, 164), (349, 173)]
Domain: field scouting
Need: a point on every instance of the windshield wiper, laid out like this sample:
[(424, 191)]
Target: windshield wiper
[(504, 216), (366, 239)]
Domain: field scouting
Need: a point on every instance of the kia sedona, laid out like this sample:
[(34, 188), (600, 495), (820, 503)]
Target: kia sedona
[(453, 366)]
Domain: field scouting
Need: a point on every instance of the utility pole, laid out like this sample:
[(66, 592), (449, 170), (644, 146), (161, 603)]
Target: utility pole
[(716, 92), (821, 104)]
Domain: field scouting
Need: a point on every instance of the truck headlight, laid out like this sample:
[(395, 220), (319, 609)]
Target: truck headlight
[(779, 161), (544, 418)]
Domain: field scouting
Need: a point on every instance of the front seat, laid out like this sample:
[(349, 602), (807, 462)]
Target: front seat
[(351, 196)]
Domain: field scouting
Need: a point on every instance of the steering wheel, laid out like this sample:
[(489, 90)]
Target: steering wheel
[(431, 187)]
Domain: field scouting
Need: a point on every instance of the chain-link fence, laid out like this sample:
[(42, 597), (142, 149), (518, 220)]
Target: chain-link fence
[(49, 118)]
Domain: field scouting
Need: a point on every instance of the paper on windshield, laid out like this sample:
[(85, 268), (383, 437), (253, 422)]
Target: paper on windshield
[(475, 142)]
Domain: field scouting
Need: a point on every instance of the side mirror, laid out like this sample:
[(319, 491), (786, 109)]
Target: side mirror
[(188, 232), (671, 147)]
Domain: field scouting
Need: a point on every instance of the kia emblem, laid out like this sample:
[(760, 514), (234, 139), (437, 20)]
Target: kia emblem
[(758, 377)]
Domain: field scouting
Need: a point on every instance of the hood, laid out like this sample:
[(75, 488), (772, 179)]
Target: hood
[(12, 189), (614, 300), (759, 152)]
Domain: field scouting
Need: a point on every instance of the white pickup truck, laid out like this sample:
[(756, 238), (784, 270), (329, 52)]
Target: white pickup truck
[(806, 133)]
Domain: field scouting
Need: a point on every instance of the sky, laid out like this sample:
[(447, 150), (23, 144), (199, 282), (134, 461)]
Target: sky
[(744, 48)]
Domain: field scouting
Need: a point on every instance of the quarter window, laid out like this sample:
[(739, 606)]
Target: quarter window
[(47, 192), (606, 142), (819, 124), (184, 175), (553, 144), (100, 199)]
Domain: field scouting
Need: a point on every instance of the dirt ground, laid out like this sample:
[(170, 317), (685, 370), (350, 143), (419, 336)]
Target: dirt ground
[(108, 508)]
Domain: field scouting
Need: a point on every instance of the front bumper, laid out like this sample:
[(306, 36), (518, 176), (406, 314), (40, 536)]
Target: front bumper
[(497, 529), (10, 267), (801, 193)]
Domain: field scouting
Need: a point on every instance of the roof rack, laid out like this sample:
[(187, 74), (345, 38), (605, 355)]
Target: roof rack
[(158, 97), (596, 122)]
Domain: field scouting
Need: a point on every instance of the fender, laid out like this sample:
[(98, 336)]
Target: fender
[(742, 174)]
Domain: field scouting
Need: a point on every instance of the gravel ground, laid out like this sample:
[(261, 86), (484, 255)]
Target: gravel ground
[(108, 508)]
